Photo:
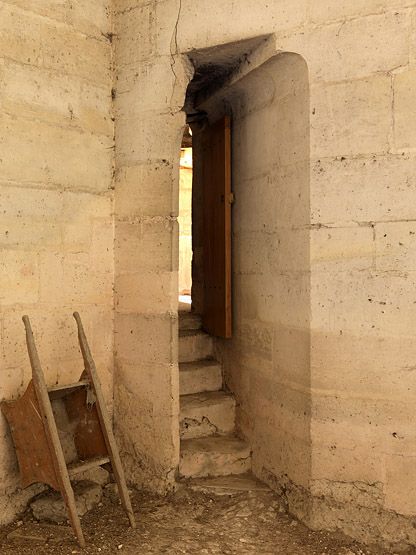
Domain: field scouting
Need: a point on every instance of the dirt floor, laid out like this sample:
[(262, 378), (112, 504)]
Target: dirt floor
[(185, 522)]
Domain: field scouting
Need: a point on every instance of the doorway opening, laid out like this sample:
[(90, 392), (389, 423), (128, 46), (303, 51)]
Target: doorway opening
[(245, 395), (185, 220), (210, 441)]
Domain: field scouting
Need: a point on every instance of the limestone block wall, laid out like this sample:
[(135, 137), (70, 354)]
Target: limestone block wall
[(363, 311), (56, 225), (340, 356), (361, 62), (267, 363), (149, 125)]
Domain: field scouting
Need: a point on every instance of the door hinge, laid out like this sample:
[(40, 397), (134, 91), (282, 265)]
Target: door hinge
[(232, 198)]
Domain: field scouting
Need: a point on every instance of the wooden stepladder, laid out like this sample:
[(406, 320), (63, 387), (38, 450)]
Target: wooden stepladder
[(35, 432)]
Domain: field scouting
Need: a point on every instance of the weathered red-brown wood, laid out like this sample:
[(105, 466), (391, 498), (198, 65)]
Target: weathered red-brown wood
[(217, 201), (35, 434), (35, 457), (88, 435)]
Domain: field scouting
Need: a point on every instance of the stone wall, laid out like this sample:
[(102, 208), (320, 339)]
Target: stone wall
[(149, 127), (56, 228), (267, 363), (348, 361), (361, 64)]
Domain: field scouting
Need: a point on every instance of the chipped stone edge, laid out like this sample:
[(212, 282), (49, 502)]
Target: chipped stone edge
[(360, 514)]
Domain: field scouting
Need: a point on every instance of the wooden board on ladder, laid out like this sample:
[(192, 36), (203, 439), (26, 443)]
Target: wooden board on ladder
[(35, 433)]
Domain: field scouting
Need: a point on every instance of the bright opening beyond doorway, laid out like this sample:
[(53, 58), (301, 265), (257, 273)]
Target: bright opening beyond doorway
[(185, 220)]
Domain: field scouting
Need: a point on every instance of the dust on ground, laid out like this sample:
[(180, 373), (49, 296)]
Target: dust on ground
[(187, 521)]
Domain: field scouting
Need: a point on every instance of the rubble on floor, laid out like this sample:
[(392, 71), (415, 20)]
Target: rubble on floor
[(219, 516), (51, 507), (88, 490)]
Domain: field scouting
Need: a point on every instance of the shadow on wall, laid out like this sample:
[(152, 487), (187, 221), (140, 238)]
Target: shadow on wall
[(267, 363)]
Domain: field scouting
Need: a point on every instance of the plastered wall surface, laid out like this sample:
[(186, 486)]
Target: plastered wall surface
[(56, 199), (360, 58)]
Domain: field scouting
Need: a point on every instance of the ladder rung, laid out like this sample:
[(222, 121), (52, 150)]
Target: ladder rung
[(82, 466), (61, 390)]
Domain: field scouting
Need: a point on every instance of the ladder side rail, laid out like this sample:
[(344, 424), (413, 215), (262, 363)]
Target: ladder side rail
[(51, 432), (109, 438)]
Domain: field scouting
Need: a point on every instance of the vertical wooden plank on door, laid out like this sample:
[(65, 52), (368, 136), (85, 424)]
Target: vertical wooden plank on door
[(217, 199)]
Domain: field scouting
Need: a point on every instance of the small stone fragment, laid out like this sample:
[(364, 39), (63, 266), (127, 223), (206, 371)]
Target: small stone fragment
[(51, 507), (111, 492), (97, 475), (23, 537)]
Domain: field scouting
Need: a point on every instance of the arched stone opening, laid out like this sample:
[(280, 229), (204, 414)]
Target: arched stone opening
[(266, 363)]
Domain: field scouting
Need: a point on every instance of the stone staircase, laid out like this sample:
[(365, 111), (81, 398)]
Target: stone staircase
[(209, 446)]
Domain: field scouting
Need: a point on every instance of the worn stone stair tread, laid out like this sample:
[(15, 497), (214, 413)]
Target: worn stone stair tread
[(195, 364), (221, 444), (206, 398), (228, 485), (194, 345), (192, 333), (189, 321), (214, 456), (207, 413), (199, 376), (184, 307)]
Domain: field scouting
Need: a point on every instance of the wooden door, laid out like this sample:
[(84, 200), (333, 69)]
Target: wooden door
[(217, 200)]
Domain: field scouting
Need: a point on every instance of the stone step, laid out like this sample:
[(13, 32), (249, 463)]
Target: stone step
[(214, 456), (206, 414), (194, 345), (200, 376), (189, 320), (228, 485)]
